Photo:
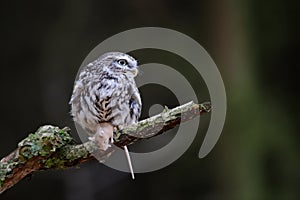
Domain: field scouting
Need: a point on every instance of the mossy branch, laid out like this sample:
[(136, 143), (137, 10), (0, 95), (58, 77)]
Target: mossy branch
[(53, 148)]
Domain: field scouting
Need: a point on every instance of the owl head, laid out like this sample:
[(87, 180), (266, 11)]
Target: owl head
[(119, 63)]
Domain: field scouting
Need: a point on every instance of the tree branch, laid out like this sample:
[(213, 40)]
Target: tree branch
[(53, 148)]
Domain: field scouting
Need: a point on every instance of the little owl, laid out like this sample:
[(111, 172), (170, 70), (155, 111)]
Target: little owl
[(105, 97)]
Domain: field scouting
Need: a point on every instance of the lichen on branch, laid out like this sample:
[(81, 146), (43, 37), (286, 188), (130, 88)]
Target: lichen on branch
[(53, 148)]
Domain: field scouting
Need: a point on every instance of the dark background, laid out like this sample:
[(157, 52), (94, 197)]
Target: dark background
[(254, 43)]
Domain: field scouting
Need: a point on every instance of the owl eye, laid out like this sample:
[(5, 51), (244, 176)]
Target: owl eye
[(122, 62)]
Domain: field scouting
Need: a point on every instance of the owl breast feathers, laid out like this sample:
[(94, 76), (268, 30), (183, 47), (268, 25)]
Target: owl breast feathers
[(105, 91)]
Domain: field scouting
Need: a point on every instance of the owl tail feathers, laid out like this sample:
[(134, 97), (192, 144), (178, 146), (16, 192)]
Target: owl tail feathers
[(129, 161)]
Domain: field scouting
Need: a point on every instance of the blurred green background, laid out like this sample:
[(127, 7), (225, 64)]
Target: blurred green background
[(254, 43)]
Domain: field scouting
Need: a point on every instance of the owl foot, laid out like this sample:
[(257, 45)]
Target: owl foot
[(103, 136)]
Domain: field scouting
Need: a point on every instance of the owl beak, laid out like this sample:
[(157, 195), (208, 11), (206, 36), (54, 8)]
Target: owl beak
[(132, 72), (135, 72)]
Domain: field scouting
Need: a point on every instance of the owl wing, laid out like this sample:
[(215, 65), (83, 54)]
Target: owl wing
[(135, 106)]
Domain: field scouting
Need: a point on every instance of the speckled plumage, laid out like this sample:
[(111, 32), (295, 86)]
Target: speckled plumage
[(106, 92)]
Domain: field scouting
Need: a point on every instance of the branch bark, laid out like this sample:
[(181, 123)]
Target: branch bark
[(53, 148)]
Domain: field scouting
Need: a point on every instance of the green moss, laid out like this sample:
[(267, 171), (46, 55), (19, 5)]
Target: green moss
[(69, 153), (5, 169), (54, 163), (44, 142), (72, 153)]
